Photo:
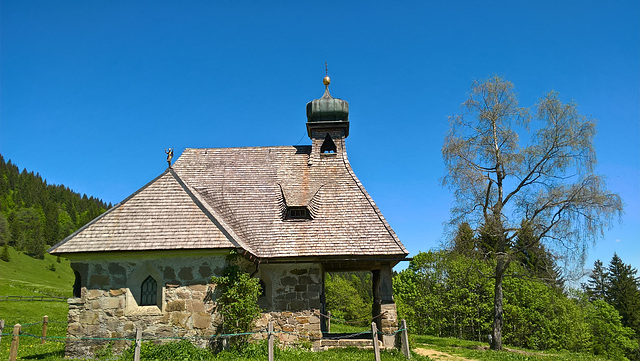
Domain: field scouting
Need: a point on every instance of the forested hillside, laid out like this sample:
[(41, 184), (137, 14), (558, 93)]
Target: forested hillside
[(35, 215)]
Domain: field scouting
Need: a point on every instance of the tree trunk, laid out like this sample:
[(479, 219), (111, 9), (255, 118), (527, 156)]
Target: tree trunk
[(496, 335)]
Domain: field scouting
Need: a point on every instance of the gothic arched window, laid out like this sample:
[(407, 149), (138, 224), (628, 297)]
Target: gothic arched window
[(149, 292)]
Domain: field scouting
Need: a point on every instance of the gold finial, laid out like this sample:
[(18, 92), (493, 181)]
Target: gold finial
[(326, 81)]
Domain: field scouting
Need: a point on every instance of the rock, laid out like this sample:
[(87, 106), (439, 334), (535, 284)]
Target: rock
[(178, 305), (201, 320), (179, 318), (93, 294), (116, 292)]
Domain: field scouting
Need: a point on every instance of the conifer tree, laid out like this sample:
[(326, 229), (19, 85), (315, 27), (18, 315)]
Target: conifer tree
[(5, 231), (535, 258), (596, 286), (623, 292), (464, 240), (5, 253), (38, 213)]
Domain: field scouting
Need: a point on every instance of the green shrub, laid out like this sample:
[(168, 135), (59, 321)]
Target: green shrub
[(182, 350), (237, 302)]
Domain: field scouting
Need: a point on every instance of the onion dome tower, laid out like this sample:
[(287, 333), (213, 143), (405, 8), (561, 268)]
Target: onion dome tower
[(327, 122)]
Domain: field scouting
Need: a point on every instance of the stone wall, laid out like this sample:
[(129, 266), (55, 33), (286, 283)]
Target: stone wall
[(109, 303), (292, 324), (291, 287), (102, 314), (292, 298), (110, 296)]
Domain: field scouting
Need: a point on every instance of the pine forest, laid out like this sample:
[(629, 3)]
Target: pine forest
[(35, 215)]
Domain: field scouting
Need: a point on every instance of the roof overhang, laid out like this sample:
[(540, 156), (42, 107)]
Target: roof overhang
[(342, 263)]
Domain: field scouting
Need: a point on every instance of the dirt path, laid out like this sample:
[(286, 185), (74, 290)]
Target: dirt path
[(439, 355), (443, 356)]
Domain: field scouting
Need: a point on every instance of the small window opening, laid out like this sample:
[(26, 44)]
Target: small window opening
[(298, 213), (148, 296), (77, 285), (328, 146)]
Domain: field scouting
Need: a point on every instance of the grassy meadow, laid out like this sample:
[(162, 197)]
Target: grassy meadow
[(26, 276), (474, 350)]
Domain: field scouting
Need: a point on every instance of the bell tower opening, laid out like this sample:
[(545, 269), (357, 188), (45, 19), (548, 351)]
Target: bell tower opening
[(328, 146)]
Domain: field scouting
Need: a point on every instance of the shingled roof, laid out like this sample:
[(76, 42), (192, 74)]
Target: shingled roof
[(236, 198), (162, 215), (221, 198), (250, 187)]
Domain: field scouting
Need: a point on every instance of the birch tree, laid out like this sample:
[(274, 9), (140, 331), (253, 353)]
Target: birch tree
[(507, 164)]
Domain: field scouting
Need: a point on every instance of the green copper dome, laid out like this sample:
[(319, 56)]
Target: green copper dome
[(327, 108), (327, 113)]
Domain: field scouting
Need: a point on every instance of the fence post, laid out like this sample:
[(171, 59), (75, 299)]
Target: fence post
[(270, 329), (45, 322), (136, 352), (15, 341), (328, 321), (1, 329), (405, 340), (376, 344)]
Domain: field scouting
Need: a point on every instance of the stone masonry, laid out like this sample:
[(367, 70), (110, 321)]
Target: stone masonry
[(292, 299), (101, 314), (108, 304)]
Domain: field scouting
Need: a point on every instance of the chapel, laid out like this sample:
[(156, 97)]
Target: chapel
[(293, 213)]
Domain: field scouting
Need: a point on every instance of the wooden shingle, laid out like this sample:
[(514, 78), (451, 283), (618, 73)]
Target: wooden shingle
[(234, 198)]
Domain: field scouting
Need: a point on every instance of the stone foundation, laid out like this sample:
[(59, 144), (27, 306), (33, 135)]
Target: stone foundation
[(305, 323), (389, 322), (101, 314)]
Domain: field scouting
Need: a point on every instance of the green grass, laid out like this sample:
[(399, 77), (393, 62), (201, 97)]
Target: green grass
[(26, 276), (258, 351), (478, 351), (346, 354), (337, 327)]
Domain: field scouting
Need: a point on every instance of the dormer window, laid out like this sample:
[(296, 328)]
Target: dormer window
[(298, 213), (328, 146)]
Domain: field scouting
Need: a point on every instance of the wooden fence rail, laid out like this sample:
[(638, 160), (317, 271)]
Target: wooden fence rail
[(15, 341), (33, 298)]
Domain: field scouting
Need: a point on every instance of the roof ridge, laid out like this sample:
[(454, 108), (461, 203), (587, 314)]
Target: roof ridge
[(373, 205), (255, 147), (118, 205), (213, 216)]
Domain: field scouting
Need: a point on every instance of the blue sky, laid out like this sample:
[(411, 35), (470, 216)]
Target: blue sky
[(92, 92)]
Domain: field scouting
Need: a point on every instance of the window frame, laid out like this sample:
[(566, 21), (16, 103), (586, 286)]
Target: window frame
[(149, 297)]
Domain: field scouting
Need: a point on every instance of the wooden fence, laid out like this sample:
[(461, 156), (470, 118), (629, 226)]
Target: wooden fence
[(15, 340)]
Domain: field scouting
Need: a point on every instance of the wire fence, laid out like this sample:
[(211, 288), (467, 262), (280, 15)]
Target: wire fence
[(226, 335), (20, 332)]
